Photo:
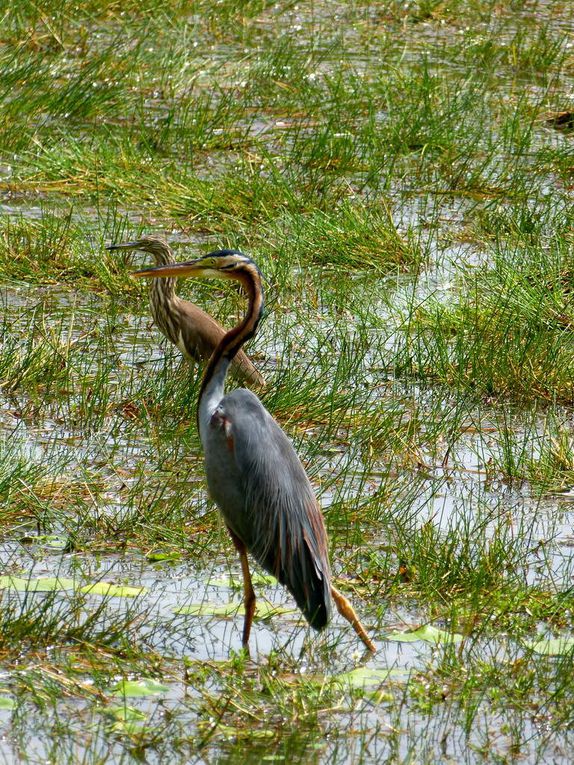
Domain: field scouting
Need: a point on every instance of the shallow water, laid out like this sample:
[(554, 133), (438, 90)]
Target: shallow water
[(446, 496)]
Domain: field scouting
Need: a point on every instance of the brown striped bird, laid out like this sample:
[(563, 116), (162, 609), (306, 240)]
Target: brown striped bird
[(193, 331)]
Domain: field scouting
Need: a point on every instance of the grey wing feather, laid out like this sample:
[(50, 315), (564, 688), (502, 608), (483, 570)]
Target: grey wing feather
[(257, 479)]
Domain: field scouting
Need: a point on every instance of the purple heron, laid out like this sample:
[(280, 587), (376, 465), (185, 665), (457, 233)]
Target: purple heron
[(253, 472)]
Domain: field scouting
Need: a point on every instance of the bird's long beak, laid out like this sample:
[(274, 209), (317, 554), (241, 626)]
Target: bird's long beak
[(123, 246), (191, 268)]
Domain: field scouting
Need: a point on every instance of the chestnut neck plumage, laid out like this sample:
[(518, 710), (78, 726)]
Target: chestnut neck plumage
[(213, 384)]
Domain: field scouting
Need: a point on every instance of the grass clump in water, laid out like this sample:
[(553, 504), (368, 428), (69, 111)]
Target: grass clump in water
[(506, 331)]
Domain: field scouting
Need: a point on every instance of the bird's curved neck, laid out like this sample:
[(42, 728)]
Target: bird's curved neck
[(163, 289), (213, 383)]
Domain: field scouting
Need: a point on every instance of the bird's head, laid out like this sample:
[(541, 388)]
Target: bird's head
[(155, 245), (225, 264)]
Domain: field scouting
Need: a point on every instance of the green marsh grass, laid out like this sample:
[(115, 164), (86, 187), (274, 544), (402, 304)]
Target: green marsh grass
[(506, 332), (391, 168)]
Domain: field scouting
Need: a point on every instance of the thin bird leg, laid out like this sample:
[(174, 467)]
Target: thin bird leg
[(248, 591), (346, 610)]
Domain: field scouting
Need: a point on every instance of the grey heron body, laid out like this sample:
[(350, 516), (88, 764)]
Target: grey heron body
[(253, 472), (193, 331)]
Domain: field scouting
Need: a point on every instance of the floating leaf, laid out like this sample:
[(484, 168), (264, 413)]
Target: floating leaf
[(13, 583), (363, 677), (131, 727), (263, 609), (263, 579), (428, 633), (53, 540), (210, 609), (145, 686), (380, 696), (113, 590), (244, 732), (258, 580), (47, 540), (6, 702), (157, 555), (127, 719), (551, 646), (44, 584), (52, 584), (124, 713)]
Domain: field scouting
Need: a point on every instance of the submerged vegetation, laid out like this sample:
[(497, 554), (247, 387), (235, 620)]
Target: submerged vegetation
[(401, 172)]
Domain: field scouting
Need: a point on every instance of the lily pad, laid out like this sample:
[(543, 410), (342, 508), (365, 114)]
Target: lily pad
[(47, 540), (428, 633), (113, 590), (145, 686), (235, 583), (52, 584), (364, 677), (54, 541), (131, 725), (551, 646), (263, 610), (124, 713), (157, 555), (243, 732), (127, 719), (6, 702), (43, 584)]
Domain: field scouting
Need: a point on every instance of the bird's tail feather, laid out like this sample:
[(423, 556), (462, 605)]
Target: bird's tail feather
[(310, 587)]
